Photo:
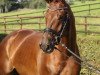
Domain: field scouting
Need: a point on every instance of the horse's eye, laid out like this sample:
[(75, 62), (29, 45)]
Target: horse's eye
[(62, 10)]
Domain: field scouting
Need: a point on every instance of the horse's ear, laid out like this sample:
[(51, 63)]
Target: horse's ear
[(48, 1)]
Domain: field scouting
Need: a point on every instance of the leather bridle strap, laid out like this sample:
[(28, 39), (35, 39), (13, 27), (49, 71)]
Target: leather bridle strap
[(55, 8)]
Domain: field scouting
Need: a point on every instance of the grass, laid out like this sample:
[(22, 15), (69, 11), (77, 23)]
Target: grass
[(89, 46)]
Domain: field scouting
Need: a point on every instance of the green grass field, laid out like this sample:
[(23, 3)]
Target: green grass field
[(89, 45)]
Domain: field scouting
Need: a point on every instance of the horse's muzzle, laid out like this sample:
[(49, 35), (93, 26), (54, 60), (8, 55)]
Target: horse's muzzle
[(47, 48)]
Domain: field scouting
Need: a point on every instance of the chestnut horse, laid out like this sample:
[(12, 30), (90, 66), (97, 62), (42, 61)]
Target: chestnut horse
[(29, 52)]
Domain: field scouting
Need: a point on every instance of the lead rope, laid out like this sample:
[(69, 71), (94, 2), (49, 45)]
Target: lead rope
[(91, 67)]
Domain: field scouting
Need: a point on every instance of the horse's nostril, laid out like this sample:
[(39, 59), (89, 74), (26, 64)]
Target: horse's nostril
[(43, 46)]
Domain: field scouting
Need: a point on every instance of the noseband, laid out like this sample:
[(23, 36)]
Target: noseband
[(56, 35), (50, 31)]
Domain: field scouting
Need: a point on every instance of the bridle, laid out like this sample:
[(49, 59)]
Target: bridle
[(64, 20), (56, 36)]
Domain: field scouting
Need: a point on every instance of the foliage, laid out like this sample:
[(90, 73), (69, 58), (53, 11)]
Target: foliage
[(8, 5)]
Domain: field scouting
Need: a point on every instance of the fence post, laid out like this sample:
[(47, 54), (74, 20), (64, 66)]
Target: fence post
[(89, 9), (5, 27), (39, 24), (85, 25), (21, 23)]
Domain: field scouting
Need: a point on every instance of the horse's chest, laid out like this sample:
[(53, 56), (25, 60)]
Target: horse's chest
[(55, 64)]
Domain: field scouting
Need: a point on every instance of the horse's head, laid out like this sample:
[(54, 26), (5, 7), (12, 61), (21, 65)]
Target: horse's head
[(56, 19)]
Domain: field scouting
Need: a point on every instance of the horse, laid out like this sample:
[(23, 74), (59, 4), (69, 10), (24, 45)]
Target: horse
[(30, 52)]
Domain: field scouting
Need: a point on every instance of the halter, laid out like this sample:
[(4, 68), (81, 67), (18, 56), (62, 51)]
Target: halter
[(59, 34), (56, 35)]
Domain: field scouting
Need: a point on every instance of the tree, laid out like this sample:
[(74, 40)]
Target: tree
[(9, 5), (3, 6)]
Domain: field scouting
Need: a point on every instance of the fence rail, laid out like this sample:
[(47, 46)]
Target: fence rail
[(86, 24), (89, 8), (21, 22), (84, 5)]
